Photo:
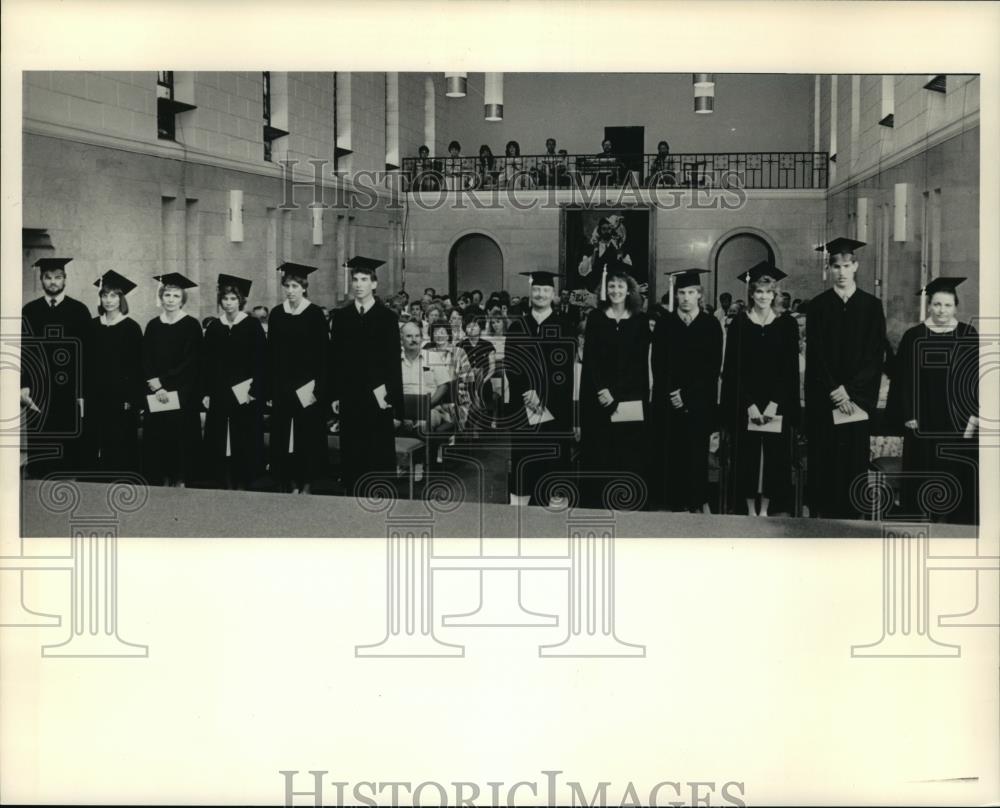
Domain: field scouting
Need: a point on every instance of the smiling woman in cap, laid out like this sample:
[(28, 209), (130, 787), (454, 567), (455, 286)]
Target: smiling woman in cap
[(233, 388), (760, 391), (171, 348), (115, 389), (298, 347), (935, 397)]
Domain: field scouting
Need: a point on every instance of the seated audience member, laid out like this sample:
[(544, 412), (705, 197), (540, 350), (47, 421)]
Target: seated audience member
[(260, 313), (418, 378), (435, 314), (475, 303), (486, 172), (427, 174), (550, 168), (449, 365), (610, 168), (511, 167), (454, 172), (481, 355), (722, 313), (660, 171)]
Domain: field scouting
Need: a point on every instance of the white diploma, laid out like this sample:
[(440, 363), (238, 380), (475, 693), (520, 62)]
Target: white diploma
[(242, 391), (627, 411), (842, 418), (305, 393), (773, 426), (173, 402)]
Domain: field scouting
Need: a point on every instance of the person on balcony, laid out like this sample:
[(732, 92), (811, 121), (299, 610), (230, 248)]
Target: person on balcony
[(609, 167), (511, 167), (660, 170), (486, 172), (455, 177), (427, 172)]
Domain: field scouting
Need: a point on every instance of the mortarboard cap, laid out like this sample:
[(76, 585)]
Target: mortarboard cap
[(364, 264), (175, 279), (683, 278), (540, 277), (941, 284), (113, 280), (51, 263), (237, 283), (758, 271), (842, 246), (302, 270)]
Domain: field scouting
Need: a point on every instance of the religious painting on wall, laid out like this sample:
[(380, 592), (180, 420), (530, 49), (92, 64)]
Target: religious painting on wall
[(595, 239)]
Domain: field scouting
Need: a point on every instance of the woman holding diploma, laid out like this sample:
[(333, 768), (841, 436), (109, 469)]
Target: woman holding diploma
[(115, 391), (171, 353), (298, 347), (614, 388), (760, 393), (233, 383), (935, 393)]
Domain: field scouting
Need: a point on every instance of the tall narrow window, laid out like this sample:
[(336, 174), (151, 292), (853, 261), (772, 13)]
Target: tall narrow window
[(271, 132), (888, 101), (391, 121), (833, 129), (167, 106)]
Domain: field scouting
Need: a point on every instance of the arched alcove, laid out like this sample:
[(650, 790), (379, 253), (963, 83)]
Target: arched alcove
[(475, 262), (736, 252)]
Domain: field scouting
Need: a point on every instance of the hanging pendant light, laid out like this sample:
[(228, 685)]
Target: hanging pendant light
[(493, 97), (704, 92), (455, 84)]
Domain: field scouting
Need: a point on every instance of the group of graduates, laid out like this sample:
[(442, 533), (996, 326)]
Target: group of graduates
[(639, 398)]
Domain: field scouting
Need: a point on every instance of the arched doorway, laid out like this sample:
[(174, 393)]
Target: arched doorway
[(475, 262), (737, 254)]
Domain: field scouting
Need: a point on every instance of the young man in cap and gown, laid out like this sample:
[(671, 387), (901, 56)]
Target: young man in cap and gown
[(539, 351), (115, 386), (171, 356), (234, 381), (934, 397), (686, 359), (366, 380), (298, 369), (845, 340), (54, 333)]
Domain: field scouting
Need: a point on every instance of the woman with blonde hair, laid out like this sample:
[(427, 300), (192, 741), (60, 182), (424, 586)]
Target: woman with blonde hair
[(760, 393)]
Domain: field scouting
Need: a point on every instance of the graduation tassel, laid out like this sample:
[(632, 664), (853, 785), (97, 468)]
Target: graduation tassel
[(670, 293), (923, 303), (604, 283)]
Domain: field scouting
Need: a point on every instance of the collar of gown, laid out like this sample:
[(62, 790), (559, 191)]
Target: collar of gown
[(165, 321), (103, 319), (845, 296), (240, 317), (305, 304), (540, 320), (755, 318), (364, 309), (687, 319), (59, 298), (940, 329)]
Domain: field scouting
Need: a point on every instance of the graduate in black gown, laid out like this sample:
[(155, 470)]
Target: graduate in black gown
[(366, 380), (298, 350), (845, 341), (935, 397), (760, 384), (538, 357), (234, 378), (55, 330), (171, 358), (115, 386), (614, 396), (687, 358)]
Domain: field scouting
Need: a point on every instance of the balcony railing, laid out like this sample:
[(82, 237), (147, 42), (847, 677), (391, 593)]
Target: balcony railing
[(748, 170)]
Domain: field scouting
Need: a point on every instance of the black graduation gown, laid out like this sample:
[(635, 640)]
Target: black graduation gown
[(115, 395), (233, 355), (688, 358), (298, 349), (936, 383), (171, 439), (844, 346), (539, 357), (53, 355), (364, 356), (616, 358), (761, 366)]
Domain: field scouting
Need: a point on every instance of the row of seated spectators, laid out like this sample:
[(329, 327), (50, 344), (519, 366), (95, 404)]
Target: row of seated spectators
[(555, 168)]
